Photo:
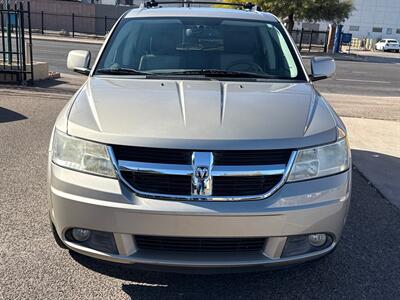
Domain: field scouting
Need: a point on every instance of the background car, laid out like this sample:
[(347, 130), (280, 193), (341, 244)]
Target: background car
[(388, 45)]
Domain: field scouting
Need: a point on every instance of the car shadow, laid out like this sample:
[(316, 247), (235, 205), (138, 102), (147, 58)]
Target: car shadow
[(364, 264), (7, 115), (146, 284)]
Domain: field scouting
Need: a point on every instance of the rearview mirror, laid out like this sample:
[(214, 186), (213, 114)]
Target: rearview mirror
[(322, 67), (79, 61)]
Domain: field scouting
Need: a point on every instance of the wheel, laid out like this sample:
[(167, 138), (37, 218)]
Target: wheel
[(56, 237)]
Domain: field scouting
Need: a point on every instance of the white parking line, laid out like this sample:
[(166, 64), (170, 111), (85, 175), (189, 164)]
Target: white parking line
[(366, 81)]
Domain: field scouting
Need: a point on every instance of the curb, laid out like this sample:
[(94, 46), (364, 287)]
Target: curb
[(68, 39)]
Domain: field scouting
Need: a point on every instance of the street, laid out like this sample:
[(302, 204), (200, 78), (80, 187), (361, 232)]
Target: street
[(366, 263)]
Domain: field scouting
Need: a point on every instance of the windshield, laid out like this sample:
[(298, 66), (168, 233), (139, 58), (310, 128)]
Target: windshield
[(190, 46)]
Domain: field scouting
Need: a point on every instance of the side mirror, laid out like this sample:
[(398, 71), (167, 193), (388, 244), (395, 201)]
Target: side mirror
[(322, 67), (79, 61)]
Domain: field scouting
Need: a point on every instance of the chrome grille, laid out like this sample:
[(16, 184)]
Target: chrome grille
[(161, 173)]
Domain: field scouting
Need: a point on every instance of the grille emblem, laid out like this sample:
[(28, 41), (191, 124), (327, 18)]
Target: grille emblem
[(201, 178), (201, 173)]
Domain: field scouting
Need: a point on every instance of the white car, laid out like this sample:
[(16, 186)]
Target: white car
[(388, 45)]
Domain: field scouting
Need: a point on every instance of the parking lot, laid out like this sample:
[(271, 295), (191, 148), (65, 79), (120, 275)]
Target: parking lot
[(366, 263)]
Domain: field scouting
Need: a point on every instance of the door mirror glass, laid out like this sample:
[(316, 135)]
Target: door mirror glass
[(322, 67), (79, 61)]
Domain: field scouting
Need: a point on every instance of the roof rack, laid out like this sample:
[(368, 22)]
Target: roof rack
[(187, 3)]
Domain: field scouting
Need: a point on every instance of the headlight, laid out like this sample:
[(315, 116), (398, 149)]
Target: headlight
[(81, 155), (321, 161)]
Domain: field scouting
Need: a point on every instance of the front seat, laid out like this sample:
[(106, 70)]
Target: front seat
[(162, 53), (239, 51)]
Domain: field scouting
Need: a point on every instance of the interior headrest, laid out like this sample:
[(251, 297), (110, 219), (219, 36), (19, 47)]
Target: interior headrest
[(164, 43), (239, 42)]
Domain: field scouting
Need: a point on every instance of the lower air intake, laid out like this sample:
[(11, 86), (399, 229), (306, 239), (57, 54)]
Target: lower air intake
[(199, 245)]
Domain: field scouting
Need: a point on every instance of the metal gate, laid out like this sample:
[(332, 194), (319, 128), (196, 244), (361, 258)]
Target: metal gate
[(311, 40), (16, 61)]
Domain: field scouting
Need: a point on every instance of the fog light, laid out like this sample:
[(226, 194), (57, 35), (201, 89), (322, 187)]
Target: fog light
[(80, 234), (304, 244), (317, 240), (94, 239)]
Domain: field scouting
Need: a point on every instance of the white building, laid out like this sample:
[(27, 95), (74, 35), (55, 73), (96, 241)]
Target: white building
[(374, 19)]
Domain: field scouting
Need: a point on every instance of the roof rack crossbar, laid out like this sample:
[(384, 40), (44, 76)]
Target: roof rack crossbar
[(187, 3)]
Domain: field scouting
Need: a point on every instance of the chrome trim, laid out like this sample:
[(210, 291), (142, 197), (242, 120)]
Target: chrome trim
[(187, 170), (154, 168), (248, 170), (268, 171)]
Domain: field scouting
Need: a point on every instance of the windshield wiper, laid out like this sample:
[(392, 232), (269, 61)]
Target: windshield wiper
[(121, 71), (222, 73)]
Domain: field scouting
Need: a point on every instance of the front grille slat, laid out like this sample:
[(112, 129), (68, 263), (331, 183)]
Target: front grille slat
[(253, 157), (152, 155), (243, 186), (199, 245), (159, 184), (184, 157)]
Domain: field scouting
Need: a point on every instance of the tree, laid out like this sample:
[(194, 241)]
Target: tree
[(335, 11)]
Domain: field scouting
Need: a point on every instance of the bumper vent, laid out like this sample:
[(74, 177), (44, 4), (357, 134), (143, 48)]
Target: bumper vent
[(199, 245)]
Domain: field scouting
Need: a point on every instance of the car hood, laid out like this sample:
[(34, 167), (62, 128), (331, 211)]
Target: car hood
[(201, 114)]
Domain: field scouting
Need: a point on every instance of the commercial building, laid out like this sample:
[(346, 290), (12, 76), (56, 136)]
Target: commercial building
[(374, 19)]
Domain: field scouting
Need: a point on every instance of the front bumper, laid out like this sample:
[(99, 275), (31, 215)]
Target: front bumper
[(103, 204)]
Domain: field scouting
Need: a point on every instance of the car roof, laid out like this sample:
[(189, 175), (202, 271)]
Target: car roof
[(207, 12)]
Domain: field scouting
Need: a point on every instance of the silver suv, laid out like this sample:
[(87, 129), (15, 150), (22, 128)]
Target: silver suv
[(199, 141)]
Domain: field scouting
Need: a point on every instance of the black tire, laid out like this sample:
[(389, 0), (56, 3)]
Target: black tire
[(56, 237)]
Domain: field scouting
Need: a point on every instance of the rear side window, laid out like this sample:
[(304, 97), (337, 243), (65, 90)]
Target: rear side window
[(181, 43)]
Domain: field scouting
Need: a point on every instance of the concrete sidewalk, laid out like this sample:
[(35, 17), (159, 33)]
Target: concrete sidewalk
[(376, 153), (69, 39), (366, 107)]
